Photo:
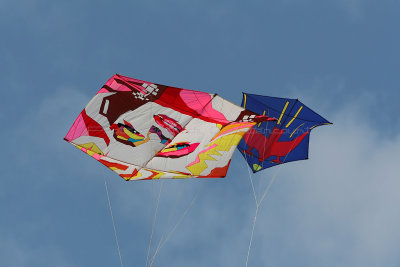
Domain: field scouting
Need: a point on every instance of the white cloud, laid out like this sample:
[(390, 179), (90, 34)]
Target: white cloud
[(344, 201)]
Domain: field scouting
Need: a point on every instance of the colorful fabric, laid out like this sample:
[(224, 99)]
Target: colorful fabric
[(272, 143), (143, 130)]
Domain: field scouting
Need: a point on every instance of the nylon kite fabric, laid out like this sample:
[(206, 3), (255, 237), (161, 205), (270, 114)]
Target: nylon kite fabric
[(272, 143), (143, 130)]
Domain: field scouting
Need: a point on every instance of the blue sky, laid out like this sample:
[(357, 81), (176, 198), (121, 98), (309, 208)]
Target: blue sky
[(340, 208)]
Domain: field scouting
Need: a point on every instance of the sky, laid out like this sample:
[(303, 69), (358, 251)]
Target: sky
[(339, 208)]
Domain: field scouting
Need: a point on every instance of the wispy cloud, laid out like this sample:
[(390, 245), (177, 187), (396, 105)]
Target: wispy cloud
[(342, 210)]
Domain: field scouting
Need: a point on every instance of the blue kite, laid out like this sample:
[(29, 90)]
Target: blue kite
[(286, 139)]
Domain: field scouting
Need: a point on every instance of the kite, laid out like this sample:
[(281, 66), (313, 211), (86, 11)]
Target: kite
[(143, 130), (271, 143)]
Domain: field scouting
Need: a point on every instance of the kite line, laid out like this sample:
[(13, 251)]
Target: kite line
[(113, 222)]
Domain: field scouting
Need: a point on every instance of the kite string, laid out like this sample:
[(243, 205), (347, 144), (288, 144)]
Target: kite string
[(255, 216), (177, 224), (113, 222), (258, 204), (154, 221), (261, 200), (251, 181), (269, 186), (170, 217), (252, 234), (263, 195), (151, 220)]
